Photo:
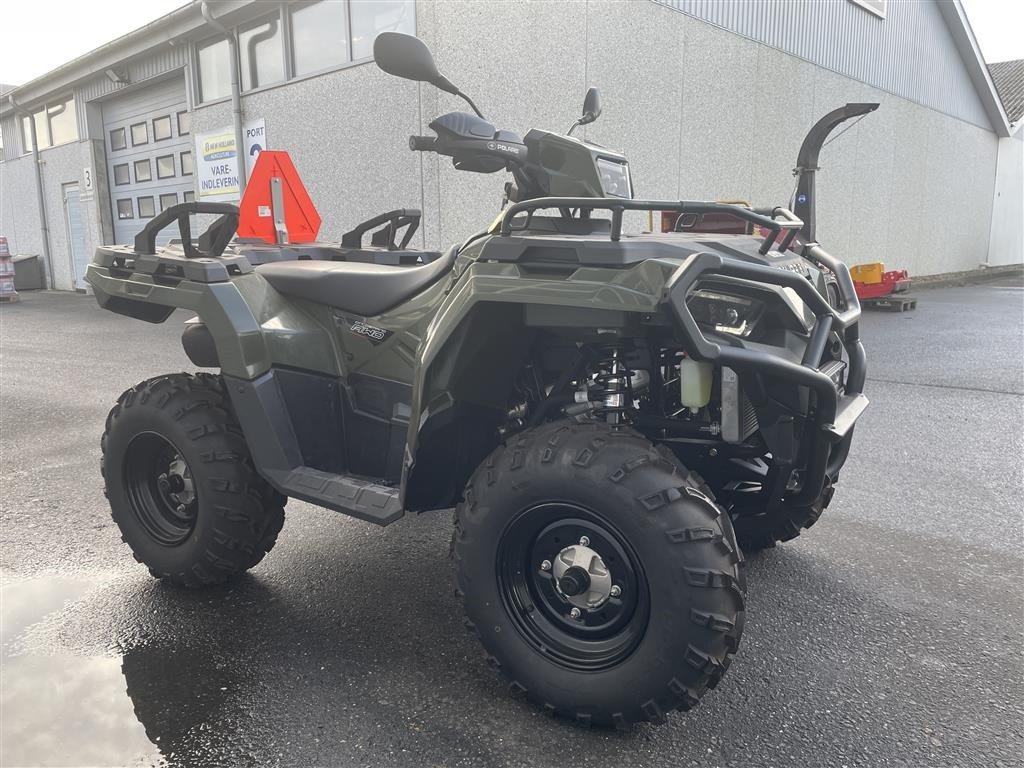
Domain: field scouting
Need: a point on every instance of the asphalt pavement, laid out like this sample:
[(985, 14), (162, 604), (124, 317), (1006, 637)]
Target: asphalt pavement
[(888, 635)]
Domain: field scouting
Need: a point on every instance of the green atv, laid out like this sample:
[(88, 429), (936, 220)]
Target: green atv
[(614, 417)]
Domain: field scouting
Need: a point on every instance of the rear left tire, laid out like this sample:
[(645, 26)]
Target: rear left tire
[(181, 484)]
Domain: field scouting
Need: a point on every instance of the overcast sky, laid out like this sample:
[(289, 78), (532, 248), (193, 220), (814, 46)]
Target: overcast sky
[(40, 35)]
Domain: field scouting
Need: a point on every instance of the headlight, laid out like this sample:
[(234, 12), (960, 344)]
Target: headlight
[(724, 312), (614, 178)]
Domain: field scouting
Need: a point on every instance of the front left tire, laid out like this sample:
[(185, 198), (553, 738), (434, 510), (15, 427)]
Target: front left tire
[(601, 577)]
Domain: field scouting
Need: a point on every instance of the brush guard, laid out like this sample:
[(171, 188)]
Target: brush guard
[(835, 412)]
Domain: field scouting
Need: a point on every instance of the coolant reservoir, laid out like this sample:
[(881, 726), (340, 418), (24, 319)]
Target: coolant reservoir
[(694, 382)]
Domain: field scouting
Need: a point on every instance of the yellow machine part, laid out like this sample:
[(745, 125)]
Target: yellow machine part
[(868, 273)]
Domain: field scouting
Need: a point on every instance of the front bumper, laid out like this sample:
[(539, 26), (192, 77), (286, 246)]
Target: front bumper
[(834, 413)]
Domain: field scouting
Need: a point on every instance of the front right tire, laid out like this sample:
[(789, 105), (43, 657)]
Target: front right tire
[(607, 499)]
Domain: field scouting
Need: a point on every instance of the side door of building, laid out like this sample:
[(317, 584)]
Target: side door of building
[(77, 250)]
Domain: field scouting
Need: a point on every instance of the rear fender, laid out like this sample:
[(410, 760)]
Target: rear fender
[(252, 325)]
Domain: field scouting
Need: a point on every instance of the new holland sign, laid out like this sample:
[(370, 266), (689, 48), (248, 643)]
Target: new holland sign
[(217, 160)]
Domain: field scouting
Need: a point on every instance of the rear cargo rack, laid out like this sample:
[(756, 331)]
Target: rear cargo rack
[(776, 221), (211, 243)]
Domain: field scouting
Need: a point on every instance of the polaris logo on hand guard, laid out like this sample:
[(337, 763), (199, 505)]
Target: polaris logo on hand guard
[(493, 145)]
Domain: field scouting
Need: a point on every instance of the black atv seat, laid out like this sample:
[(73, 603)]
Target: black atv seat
[(363, 289)]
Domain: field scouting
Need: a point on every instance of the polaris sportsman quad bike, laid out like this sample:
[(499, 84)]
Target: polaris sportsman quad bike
[(612, 416)]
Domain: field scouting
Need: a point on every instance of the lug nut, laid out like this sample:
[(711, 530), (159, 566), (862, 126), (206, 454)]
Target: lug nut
[(181, 509), (546, 565), (615, 591), (575, 613), (584, 541)]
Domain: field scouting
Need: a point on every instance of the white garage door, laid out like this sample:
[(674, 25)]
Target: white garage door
[(149, 156)]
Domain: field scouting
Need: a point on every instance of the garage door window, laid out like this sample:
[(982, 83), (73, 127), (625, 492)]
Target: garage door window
[(143, 171), (166, 201), (162, 128), (184, 123), (124, 209), (118, 139), (140, 134), (187, 169), (121, 175), (146, 210), (189, 197), (165, 167)]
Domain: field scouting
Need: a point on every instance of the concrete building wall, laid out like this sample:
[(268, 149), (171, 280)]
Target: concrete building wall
[(700, 111), (1006, 245), (19, 210), (689, 106)]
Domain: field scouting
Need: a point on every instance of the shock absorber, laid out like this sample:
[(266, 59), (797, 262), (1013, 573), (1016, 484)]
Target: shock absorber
[(613, 386)]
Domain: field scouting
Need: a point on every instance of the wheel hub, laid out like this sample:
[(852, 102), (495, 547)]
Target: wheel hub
[(582, 577), (161, 489)]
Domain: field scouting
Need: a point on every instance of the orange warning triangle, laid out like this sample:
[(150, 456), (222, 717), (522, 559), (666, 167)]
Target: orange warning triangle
[(256, 213)]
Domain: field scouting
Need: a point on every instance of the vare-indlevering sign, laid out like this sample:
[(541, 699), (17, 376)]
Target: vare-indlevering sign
[(217, 160)]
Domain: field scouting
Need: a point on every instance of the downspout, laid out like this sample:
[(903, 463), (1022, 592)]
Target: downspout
[(236, 92), (43, 228)]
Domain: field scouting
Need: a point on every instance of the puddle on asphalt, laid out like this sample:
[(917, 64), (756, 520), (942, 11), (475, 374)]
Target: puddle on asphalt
[(62, 709)]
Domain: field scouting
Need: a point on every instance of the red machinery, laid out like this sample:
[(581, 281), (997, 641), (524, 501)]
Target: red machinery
[(883, 290)]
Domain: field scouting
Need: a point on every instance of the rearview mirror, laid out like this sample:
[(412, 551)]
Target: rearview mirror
[(406, 56), (591, 106)]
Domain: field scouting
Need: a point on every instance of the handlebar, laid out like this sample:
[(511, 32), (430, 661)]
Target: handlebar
[(423, 143)]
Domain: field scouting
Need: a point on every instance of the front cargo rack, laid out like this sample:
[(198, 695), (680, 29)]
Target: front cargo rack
[(776, 220)]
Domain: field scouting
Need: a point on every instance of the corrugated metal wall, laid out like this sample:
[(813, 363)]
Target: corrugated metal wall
[(910, 53), (165, 59)]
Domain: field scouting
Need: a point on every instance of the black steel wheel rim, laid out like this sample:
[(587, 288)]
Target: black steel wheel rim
[(155, 493), (596, 640)]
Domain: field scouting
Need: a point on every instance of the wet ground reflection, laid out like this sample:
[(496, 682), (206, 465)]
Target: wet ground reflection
[(61, 709)]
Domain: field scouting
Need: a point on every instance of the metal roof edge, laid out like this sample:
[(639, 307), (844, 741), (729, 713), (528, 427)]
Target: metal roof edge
[(963, 37)]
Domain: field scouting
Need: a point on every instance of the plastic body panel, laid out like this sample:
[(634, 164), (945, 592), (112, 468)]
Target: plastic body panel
[(398, 371)]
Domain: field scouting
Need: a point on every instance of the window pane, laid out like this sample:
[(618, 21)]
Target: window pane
[(262, 57), (371, 17), (63, 124), (140, 134), (143, 172), (319, 36), (189, 197), (121, 175), (187, 169), (118, 139), (146, 210), (184, 123), (166, 201), (42, 130), (214, 71), (124, 209), (161, 128), (165, 167)]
